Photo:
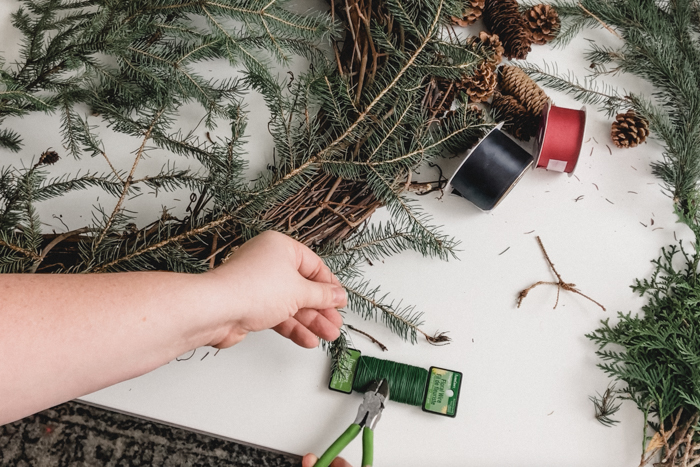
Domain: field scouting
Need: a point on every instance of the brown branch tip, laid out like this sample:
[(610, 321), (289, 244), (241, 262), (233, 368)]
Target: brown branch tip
[(439, 338), (560, 284)]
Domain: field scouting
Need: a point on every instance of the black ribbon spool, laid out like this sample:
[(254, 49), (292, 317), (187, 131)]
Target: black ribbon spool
[(491, 170)]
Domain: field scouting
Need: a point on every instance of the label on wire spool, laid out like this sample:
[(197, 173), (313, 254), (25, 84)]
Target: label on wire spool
[(343, 377), (442, 392)]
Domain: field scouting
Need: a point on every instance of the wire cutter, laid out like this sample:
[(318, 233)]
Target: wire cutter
[(367, 416)]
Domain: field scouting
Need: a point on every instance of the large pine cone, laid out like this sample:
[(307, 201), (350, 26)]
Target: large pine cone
[(480, 86), (493, 42), (503, 17), (518, 120), (629, 130), (473, 10), (542, 22), (517, 83)]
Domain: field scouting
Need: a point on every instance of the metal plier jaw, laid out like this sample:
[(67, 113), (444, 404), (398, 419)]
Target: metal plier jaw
[(370, 410)]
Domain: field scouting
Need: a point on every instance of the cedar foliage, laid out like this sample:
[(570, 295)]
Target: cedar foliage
[(341, 149), (656, 353)]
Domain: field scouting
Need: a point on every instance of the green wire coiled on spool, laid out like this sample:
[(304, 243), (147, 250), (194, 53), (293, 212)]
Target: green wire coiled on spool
[(406, 383)]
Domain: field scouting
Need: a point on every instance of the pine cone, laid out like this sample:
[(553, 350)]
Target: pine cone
[(494, 43), (48, 157), (518, 120), (472, 11), (480, 86), (503, 17), (515, 82), (542, 22), (629, 130)]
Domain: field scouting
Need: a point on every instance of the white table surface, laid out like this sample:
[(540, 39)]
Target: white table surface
[(528, 372)]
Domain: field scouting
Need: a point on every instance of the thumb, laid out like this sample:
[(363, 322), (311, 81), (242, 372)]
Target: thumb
[(309, 460), (322, 295)]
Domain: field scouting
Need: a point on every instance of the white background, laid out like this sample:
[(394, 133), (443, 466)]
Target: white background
[(528, 372)]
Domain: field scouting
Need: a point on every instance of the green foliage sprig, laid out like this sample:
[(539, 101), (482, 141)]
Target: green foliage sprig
[(657, 353)]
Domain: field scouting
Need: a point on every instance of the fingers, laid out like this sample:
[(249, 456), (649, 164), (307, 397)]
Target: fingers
[(307, 326), (312, 267), (309, 460), (340, 462), (297, 333), (321, 296), (318, 322)]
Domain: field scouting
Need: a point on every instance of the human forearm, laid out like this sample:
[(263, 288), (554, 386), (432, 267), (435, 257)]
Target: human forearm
[(63, 336)]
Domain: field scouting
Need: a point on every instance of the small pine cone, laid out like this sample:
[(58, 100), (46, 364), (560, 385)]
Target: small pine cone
[(518, 120), (472, 11), (542, 22), (48, 157), (503, 17), (480, 86), (629, 130), (494, 43), (515, 82)]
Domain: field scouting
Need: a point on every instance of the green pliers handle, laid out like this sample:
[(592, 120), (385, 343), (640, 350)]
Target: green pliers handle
[(343, 440)]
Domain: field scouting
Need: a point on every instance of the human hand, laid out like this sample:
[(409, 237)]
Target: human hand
[(273, 281), (309, 460)]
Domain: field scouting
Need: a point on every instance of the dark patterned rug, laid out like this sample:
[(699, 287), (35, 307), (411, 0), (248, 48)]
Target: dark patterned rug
[(76, 434)]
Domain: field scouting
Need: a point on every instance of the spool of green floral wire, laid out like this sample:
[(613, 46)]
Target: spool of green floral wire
[(435, 390), (406, 383)]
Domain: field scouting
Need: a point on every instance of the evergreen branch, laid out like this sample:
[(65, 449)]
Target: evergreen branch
[(19, 249), (403, 322), (129, 178), (587, 92)]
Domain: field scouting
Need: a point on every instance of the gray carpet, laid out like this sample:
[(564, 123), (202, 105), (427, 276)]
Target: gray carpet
[(78, 435)]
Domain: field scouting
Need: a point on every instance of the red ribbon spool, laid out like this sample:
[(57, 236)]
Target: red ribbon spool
[(560, 138)]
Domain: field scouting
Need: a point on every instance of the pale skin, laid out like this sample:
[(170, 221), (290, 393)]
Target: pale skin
[(66, 335)]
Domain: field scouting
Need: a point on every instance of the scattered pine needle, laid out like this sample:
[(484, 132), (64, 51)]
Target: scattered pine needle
[(504, 251), (596, 187), (606, 199)]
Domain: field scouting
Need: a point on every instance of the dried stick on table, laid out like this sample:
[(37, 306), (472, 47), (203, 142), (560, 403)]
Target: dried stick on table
[(560, 284), (374, 341)]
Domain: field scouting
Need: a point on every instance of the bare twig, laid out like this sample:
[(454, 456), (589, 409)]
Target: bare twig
[(374, 341), (560, 283)]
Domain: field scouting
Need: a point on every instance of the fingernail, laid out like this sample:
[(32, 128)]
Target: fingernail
[(339, 295)]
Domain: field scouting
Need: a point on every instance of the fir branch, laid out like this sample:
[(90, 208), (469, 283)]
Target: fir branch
[(403, 321)]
